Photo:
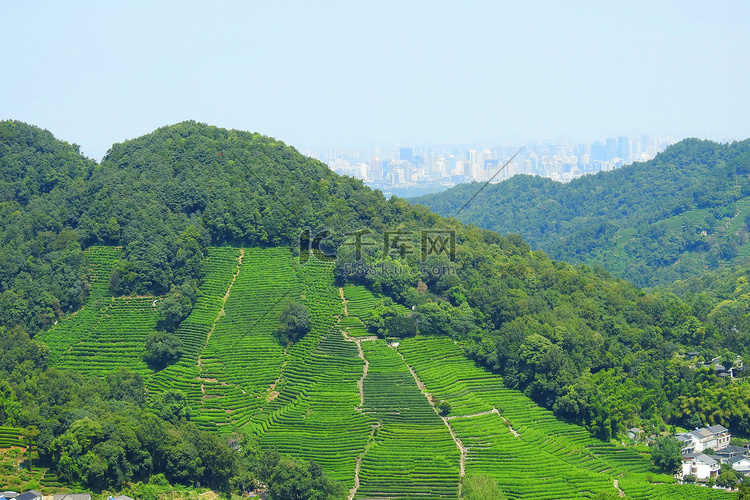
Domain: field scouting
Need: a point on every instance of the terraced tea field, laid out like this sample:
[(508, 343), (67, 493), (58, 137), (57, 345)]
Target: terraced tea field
[(363, 410), (107, 332), (79, 327), (11, 436), (242, 357), (529, 452), (323, 424), (360, 302), (221, 265), (413, 454)]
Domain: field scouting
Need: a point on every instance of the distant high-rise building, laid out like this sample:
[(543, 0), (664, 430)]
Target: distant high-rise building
[(645, 142), (611, 148), (452, 163), (406, 154), (598, 151), (623, 148), (476, 157)]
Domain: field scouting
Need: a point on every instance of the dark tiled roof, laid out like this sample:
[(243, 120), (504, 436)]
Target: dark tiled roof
[(732, 450), (29, 495), (717, 429), (73, 496)]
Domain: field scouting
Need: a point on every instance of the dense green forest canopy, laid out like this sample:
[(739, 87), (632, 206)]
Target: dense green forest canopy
[(591, 347), (721, 298), (650, 223)]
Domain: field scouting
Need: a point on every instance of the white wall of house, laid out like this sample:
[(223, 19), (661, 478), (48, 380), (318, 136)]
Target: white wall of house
[(700, 470), (742, 465)]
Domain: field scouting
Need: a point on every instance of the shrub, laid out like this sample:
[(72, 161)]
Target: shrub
[(162, 349), (294, 323)]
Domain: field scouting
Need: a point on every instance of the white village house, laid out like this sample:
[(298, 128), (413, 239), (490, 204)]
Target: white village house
[(699, 466), (714, 437), (740, 464)]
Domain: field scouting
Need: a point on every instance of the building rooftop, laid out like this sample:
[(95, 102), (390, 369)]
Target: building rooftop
[(732, 450), (717, 429)]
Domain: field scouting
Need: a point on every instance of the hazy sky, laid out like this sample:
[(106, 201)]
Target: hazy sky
[(317, 74)]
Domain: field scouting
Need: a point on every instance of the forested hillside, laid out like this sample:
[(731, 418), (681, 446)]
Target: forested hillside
[(183, 257), (722, 299), (650, 223), (164, 198)]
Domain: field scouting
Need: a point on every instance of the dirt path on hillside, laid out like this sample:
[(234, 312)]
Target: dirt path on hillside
[(361, 387), (620, 493), (218, 316), (361, 381), (459, 443), (512, 430), (488, 412), (358, 341), (272, 392), (344, 301), (358, 464)]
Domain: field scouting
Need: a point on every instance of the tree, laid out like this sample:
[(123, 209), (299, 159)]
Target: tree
[(294, 323), (172, 405), (31, 434), (727, 477), (267, 464), (174, 308), (295, 479), (162, 349), (9, 405), (744, 492), (290, 481), (666, 453), (184, 463), (401, 326), (126, 385), (444, 407), (481, 488)]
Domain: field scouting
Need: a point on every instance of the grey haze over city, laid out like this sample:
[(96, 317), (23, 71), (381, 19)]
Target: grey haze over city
[(326, 75)]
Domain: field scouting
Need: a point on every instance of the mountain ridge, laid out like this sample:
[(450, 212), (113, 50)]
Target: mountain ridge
[(651, 222)]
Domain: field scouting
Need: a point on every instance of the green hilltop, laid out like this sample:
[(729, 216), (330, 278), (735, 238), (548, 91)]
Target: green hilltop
[(651, 223), (384, 371)]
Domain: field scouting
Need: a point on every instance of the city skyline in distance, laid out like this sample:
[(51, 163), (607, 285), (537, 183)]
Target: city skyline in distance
[(437, 167)]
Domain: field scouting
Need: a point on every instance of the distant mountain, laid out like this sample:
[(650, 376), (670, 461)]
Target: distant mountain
[(650, 223)]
